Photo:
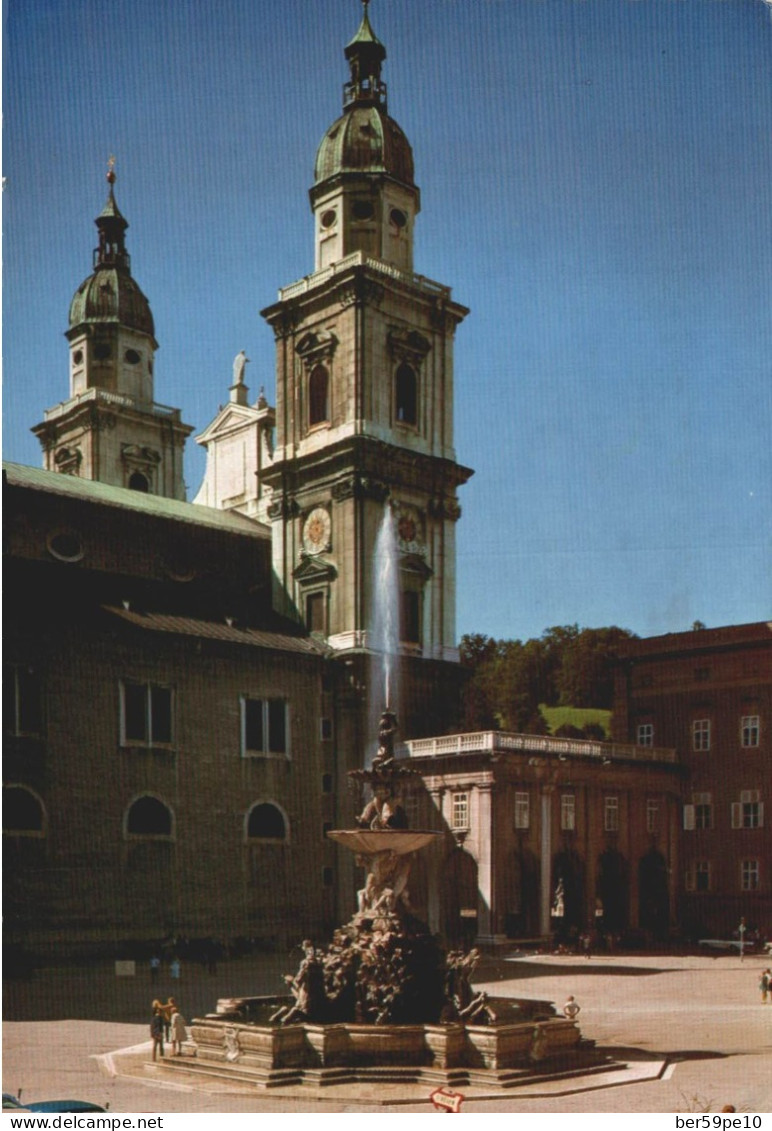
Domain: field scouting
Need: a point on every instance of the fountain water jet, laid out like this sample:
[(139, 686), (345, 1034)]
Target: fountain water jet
[(385, 607)]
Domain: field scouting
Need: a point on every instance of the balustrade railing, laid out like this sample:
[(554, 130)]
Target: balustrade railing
[(360, 259), (120, 399), (492, 741)]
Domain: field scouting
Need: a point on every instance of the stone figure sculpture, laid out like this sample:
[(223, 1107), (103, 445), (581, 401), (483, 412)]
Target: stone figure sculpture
[(239, 367)]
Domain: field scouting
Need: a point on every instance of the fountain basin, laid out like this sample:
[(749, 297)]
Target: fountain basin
[(369, 842), (523, 1041)]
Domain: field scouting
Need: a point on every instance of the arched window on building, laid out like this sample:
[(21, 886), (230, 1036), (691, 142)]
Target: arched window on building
[(318, 396), (23, 812), (266, 822), (139, 482), (148, 816), (406, 395)]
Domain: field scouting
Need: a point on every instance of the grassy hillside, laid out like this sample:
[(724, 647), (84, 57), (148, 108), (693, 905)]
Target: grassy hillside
[(575, 716)]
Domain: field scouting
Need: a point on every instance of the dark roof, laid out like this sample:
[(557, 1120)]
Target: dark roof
[(698, 640), (90, 491), (365, 140), (219, 630), (111, 296)]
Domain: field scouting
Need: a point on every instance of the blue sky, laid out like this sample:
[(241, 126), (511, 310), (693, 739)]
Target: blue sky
[(596, 182)]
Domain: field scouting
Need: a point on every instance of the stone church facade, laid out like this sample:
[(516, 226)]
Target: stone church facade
[(184, 699)]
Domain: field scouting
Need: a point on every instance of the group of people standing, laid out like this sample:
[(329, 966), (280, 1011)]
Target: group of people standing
[(167, 1023)]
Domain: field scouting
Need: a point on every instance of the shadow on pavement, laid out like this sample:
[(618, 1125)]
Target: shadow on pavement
[(521, 967), (95, 993)]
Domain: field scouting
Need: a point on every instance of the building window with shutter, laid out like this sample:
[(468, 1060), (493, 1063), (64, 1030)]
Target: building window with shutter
[(698, 876), (749, 730), (522, 811), (645, 734), (147, 714), (701, 734), (652, 815), (611, 814), (699, 815), (264, 728), (749, 875), (459, 811), (748, 812), (568, 812)]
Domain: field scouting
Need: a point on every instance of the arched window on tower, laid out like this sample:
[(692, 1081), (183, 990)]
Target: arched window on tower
[(266, 822), (149, 817), (318, 396), (406, 395), (139, 482)]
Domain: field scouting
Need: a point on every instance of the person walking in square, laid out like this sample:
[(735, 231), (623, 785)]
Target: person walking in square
[(179, 1032), (765, 985), (571, 1008), (168, 1009), (157, 1031)]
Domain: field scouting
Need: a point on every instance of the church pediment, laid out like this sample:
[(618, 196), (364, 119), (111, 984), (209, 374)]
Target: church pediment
[(136, 453), (311, 569), (230, 419), (316, 346), (415, 564), (409, 346)]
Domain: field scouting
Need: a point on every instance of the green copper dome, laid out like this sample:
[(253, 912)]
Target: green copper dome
[(111, 295), (365, 139)]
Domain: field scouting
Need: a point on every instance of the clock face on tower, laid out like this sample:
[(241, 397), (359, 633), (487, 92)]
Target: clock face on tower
[(316, 531), (410, 530)]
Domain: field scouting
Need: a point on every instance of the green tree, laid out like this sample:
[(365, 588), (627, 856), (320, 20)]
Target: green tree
[(478, 655), (585, 674)]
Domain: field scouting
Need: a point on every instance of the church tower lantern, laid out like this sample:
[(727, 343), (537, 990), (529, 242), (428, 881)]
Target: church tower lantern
[(364, 398), (364, 196), (110, 429)]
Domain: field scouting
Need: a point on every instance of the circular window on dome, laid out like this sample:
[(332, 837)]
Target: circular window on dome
[(77, 357), (102, 351), (363, 210), (398, 218), (131, 357), (328, 218), (66, 545)]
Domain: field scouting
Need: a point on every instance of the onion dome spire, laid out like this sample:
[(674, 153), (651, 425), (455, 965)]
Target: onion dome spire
[(111, 294), (112, 226), (365, 54)]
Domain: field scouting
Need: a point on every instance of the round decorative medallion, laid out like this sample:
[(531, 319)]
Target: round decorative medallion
[(316, 531), (410, 530)]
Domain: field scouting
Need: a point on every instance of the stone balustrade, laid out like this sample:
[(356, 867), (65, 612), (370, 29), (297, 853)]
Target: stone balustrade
[(360, 259), (500, 741)]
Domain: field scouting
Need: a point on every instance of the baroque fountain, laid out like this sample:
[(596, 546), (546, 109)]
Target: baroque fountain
[(383, 1001)]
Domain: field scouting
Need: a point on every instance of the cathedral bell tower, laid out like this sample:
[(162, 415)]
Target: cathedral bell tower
[(110, 429), (364, 392)]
